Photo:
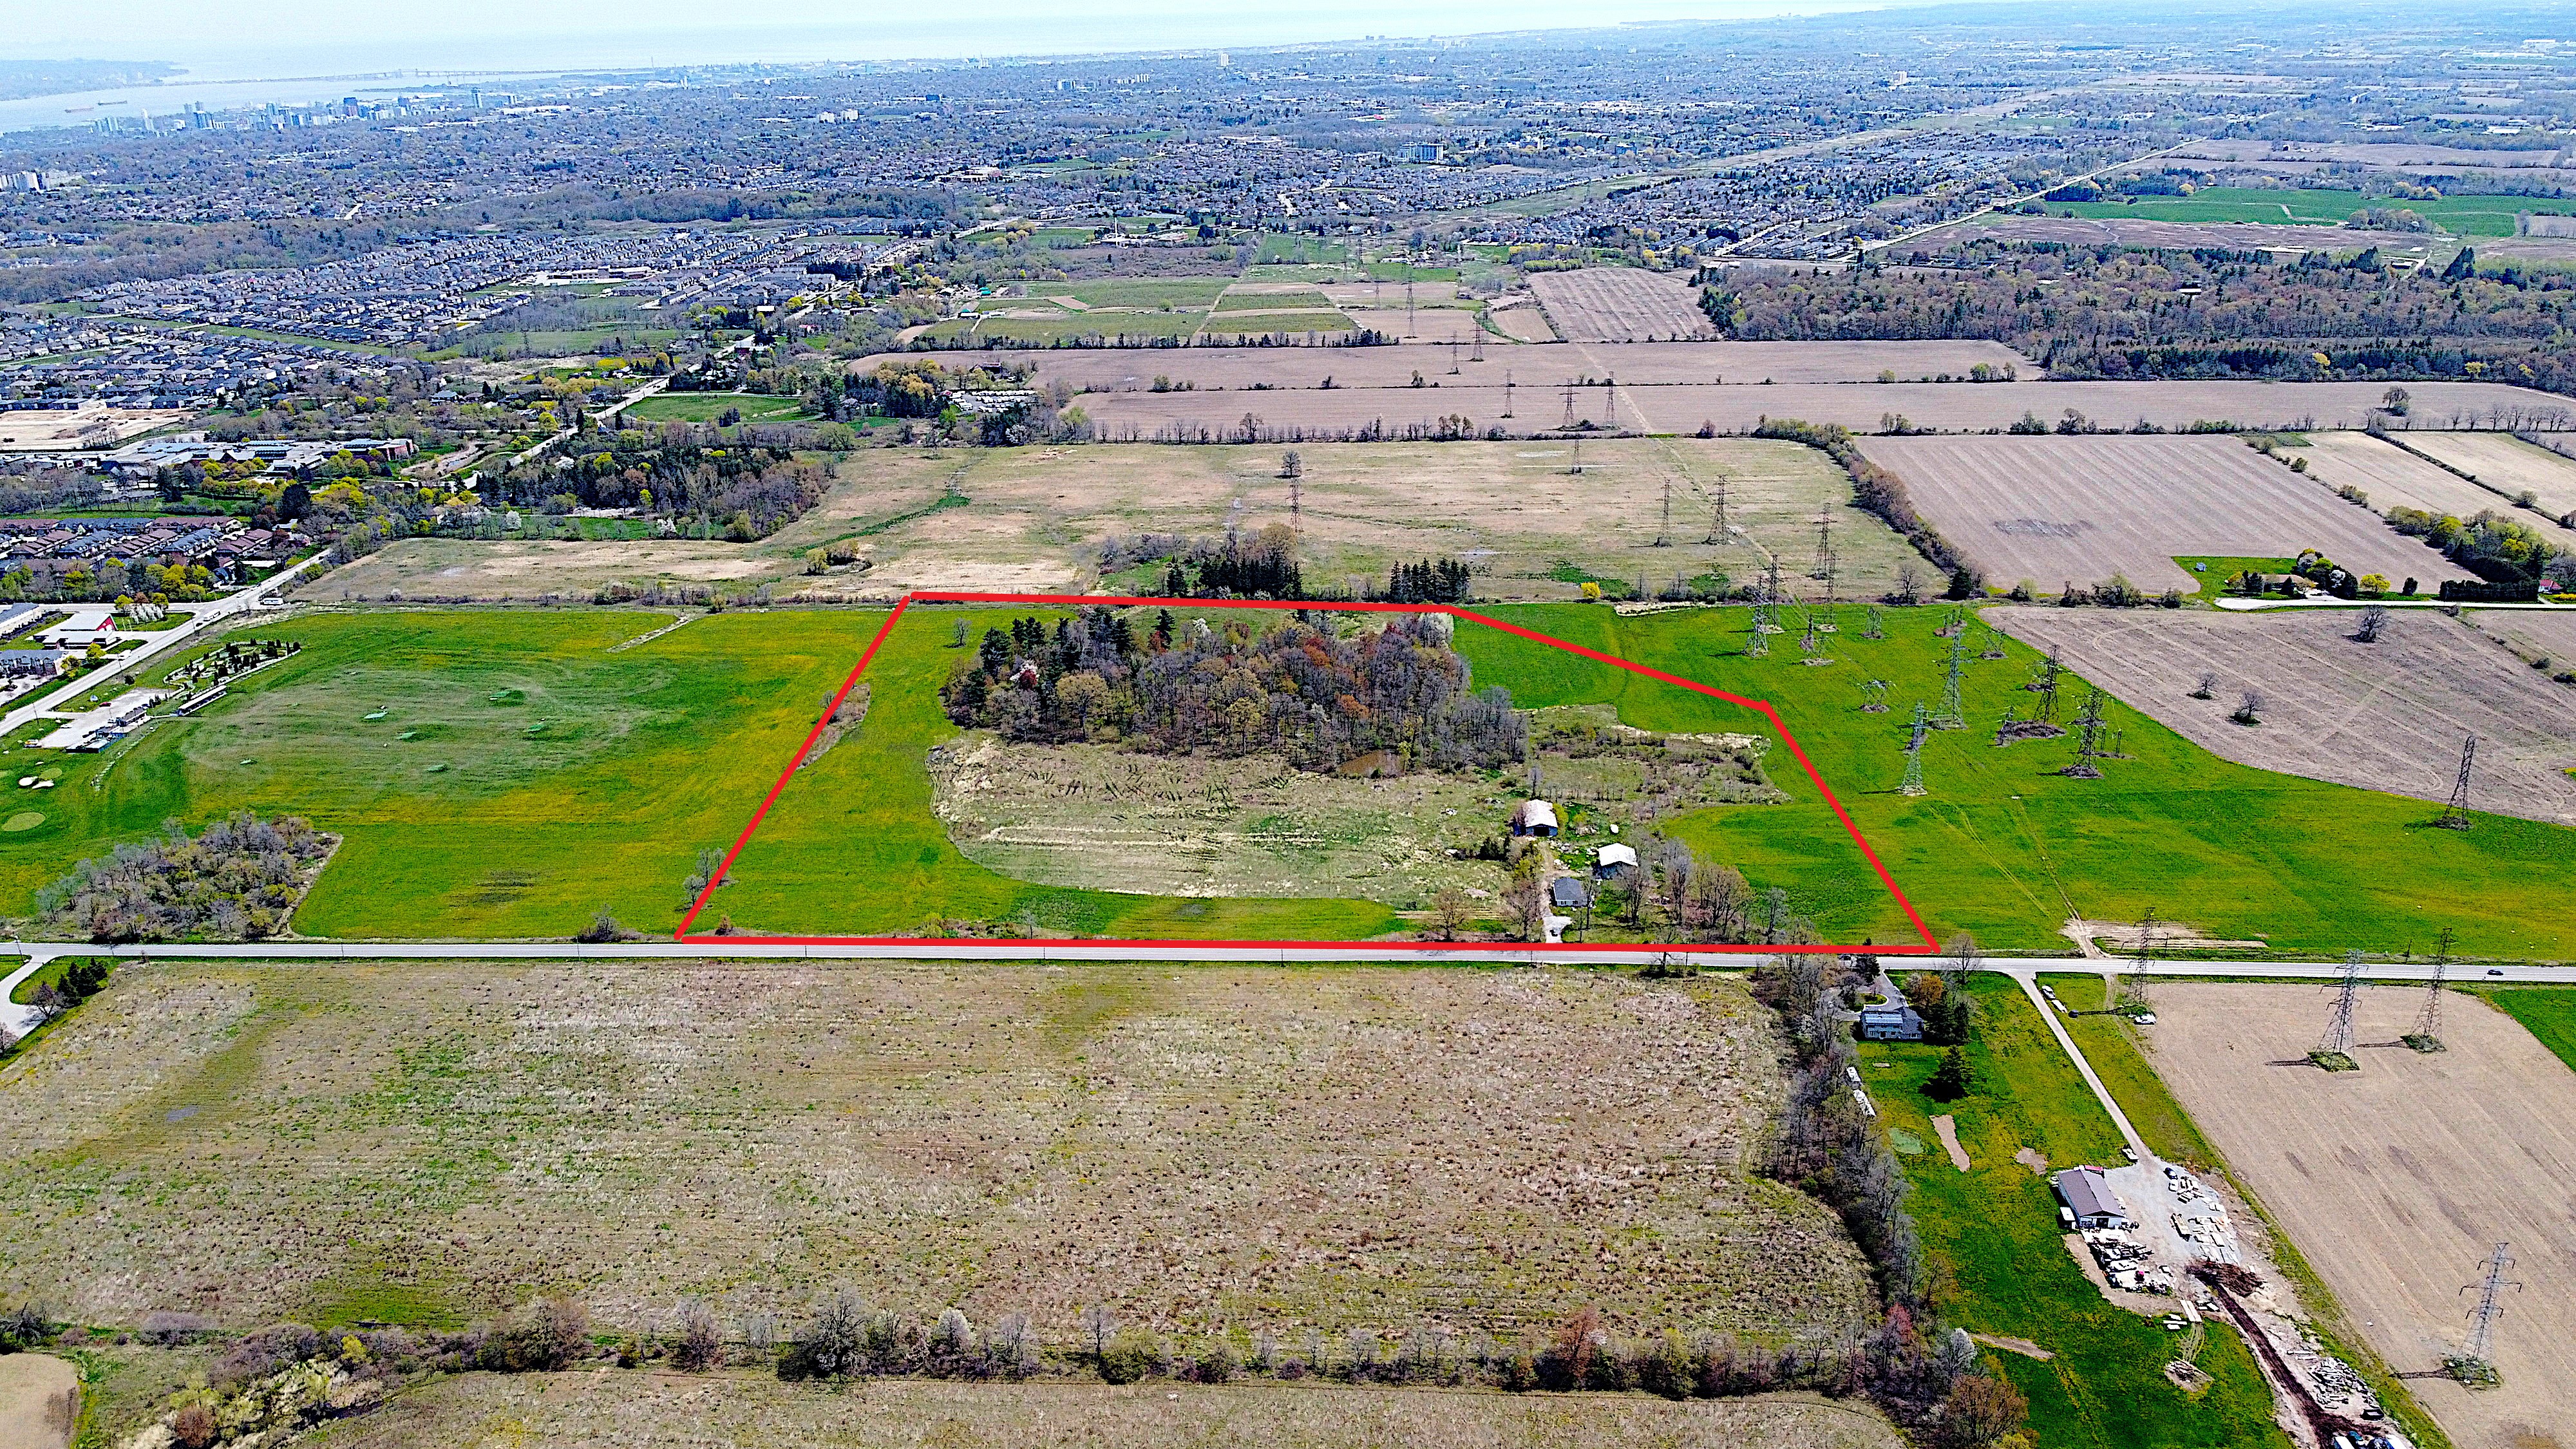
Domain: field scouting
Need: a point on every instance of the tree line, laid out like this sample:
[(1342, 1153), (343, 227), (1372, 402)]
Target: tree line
[(1315, 696), (2110, 312)]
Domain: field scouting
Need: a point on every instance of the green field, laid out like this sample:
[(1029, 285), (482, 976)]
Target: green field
[(1195, 294), (1278, 247), (2005, 847), (706, 407), (523, 776), (2547, 1012), (2000, 1268), (2472, 216)]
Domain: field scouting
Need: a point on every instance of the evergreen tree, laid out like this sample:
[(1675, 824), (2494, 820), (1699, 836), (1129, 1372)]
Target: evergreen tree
[(1952, 1081)]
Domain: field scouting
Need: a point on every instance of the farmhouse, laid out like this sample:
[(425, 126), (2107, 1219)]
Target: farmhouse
[(1566, 893), (1615, 862), (1534, 817), (1891, 1019), (2088, 1197)]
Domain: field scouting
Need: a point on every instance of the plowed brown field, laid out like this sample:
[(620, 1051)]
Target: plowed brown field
[(2053, 510), (2396, 1180), (2381, 716), (1619, 304)]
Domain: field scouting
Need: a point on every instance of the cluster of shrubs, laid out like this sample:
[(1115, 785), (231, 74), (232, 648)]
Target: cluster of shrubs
[(239, 880)]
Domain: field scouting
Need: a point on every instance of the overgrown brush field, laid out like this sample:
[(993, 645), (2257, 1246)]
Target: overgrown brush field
[(584, 1411), (1207, 1150)]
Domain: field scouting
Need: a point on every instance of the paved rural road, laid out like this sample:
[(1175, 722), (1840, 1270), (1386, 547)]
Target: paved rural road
[(17, 1018), (155, 642)]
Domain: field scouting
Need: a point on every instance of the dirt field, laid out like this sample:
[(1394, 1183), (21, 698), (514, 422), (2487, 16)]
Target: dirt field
[(2054, 509), (1534, 366), (2549, 634), (2393, 477), (2508, 464), (2396, 1180), (634, 1411), (2125, 231), (1203, 1148), (39, 1401), (1619, 304), (1957, 407), (874, 485), (1512, 510), (2383, 716)]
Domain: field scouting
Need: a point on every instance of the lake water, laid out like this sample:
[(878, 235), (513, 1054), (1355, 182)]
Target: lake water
[(223, 74)]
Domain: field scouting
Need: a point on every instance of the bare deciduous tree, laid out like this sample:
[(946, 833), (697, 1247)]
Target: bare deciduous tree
[(1449, 912), (698, 1347)]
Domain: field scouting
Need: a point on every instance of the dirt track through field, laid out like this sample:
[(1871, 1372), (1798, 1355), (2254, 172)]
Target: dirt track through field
[(2396, 1180), (2381, 716), (2078, 509)]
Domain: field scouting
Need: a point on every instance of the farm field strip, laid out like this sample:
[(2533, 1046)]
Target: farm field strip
[(2052, 509), (2382, 716), (2393, 477), (1619, 304), (2396, 1180), (1539, 366), (2508, 465), (1684, 407)]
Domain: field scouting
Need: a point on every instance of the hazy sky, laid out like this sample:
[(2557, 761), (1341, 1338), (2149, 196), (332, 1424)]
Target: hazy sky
[(295, 37)]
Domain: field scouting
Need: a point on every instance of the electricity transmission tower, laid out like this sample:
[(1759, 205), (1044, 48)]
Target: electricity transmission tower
[(1772, 594), (1507, 394), (1825, 562), (2334, 1049), (2144, 960), (2455, 816), (1873, 694), (1453, 357), (1758, 642), (1610, 400), (1953, 715), (1877, 626), (1477, 354), (2427, 1035), (1664, 532), (2088, 744), (1914, 755), (2475, 1364), (2047, 687), (1717, 512), (1569, 405), (1807, 642)]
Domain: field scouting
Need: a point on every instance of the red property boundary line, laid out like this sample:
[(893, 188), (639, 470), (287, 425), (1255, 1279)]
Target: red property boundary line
[(1928, 946)]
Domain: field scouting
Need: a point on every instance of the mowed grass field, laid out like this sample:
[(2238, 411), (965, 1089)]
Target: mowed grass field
[(706, 407), (521, 776), (2005, 847)]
